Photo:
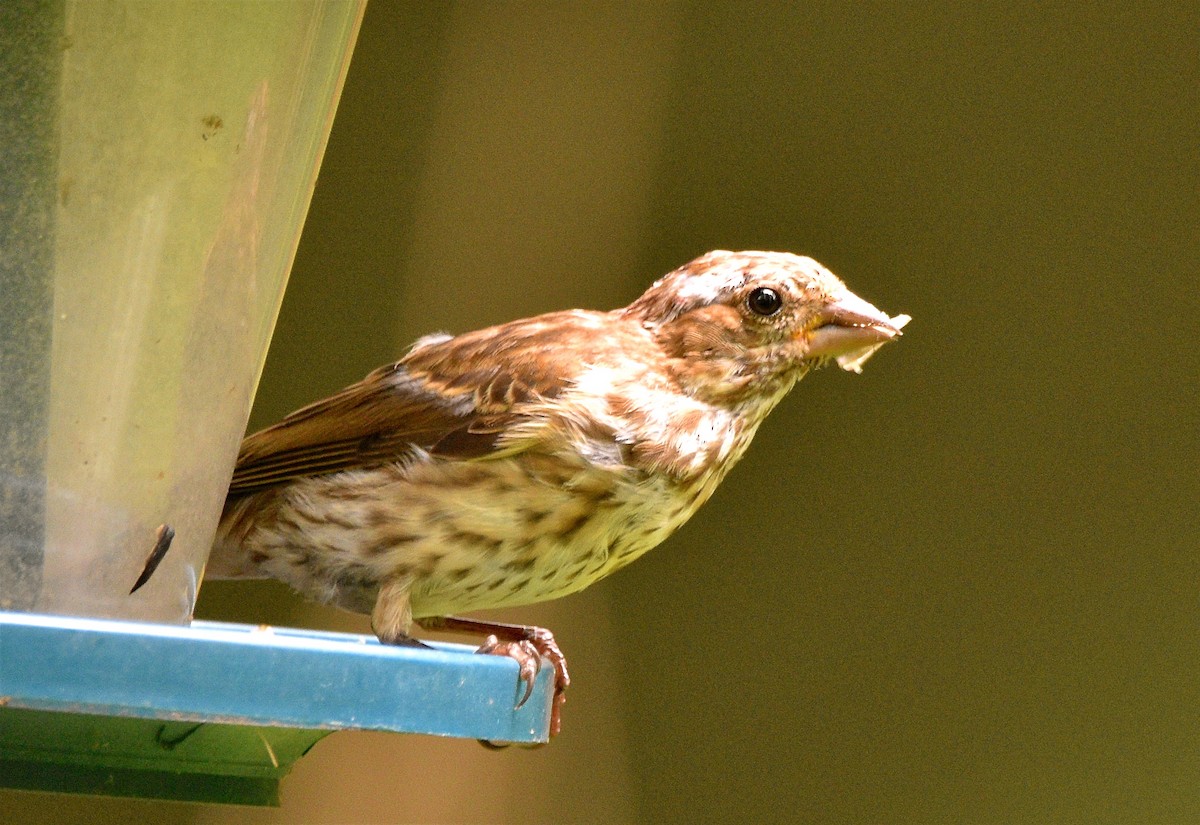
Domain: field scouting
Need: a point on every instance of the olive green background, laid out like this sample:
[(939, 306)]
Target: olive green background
[(962, 587)]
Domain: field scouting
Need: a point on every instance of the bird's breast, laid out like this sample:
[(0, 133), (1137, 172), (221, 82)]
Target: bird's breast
[(539, 535), (548, 524)]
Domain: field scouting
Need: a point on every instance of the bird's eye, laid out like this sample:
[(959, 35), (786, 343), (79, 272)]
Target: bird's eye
[(764, 301)]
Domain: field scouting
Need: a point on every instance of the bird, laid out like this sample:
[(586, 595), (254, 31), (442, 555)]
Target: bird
[(525, 461)]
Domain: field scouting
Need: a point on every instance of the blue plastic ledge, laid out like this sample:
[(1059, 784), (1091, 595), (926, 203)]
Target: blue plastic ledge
[(223, 677)]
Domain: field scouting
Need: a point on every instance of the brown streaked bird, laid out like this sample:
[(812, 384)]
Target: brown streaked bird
[(525, 461)]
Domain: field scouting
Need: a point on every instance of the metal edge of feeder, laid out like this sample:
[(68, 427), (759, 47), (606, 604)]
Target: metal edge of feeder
[(218, 712)]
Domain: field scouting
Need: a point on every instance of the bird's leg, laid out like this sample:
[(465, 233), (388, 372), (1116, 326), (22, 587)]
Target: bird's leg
[(525, 643), (392, 617)]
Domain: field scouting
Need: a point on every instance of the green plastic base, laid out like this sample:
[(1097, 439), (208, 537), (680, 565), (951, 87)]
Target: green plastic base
[(147, 758)]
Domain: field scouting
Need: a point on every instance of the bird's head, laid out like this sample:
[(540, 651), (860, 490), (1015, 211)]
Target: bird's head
[(739, 323)]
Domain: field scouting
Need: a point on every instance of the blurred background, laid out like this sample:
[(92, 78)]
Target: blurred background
[(962, 587)]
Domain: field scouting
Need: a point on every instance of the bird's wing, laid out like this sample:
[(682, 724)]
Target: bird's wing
[(452, 397)]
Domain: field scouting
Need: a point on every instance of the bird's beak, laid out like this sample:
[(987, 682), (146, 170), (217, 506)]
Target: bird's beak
[(850, 330)]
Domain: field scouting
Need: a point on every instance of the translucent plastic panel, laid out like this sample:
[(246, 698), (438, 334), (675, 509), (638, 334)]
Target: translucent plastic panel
[(183, 148)]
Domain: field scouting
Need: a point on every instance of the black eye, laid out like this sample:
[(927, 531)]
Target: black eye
[(764, 301)]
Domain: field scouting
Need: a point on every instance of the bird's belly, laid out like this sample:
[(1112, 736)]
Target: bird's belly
[(466, 536)]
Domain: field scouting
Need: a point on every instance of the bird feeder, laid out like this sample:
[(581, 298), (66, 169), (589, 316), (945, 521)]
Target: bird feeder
[(158, 164)]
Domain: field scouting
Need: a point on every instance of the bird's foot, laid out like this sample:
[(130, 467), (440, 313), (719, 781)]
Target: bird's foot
[(401, 640), (526, 655), (524, 643)]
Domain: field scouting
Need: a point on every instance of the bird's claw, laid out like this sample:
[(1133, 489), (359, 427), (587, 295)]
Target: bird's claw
[(528, 650), (526, 656), (524, 643)]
